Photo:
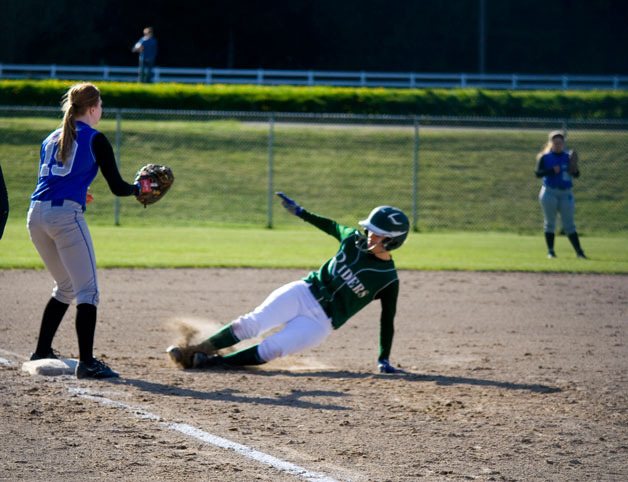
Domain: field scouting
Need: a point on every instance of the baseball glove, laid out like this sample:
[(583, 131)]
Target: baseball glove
[(154, 181), (183, 355), (573, 163)]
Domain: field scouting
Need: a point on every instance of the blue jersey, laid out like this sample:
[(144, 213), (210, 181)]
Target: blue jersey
[(71, 179), (563, 179), (149, 51)]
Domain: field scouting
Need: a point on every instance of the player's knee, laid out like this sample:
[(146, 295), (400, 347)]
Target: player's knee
[(90, 296), (63, 292), (269, 350), (569, 227), (245, 327)]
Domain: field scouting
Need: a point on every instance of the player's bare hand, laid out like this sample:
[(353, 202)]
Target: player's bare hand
[(89, 198)]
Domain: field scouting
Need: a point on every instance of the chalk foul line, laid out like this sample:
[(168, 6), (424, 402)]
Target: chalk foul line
[(206, 437)]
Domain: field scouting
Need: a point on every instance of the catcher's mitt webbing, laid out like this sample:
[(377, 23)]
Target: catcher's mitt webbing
[(154, 182)]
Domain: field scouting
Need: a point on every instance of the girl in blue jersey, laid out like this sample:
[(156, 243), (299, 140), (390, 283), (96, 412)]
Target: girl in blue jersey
[(69, 161), (558, 167)]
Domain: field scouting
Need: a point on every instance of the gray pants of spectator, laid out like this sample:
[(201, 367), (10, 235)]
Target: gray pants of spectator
[(146, 71)]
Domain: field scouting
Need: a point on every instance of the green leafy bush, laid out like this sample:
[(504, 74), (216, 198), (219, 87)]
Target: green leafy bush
[(436, 102)]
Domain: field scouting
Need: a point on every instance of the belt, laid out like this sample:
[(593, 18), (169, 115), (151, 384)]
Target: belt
[(58, 203), (321, 300)]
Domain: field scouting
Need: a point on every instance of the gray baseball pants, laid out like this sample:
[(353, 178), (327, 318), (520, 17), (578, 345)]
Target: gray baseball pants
[(555, 201), (61, 237)]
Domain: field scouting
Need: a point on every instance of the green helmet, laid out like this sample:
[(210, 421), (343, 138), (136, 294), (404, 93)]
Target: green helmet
[(389, 222)]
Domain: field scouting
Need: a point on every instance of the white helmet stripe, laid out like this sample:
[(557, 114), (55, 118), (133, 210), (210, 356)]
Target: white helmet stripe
[(380, 232)]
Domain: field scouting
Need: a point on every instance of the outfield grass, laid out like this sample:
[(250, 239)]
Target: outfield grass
[(469, 179), (306, 248)]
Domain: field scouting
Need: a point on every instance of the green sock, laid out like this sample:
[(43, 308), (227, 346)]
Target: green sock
[(248, 356), (223, 338)]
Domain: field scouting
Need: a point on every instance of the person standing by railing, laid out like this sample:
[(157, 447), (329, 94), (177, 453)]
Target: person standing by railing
[(558, 167), (147, 49)]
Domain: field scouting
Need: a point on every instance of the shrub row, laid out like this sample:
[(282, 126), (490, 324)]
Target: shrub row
[(437, 102)]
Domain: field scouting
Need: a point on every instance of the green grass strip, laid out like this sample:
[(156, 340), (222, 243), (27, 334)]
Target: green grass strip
[(209, 247)]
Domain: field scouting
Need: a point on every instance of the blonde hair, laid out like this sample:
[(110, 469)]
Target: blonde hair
[(544, 150), (74, 103), (548, 145)]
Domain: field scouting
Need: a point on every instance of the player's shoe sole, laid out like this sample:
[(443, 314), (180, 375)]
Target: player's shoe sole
[(175, 354)]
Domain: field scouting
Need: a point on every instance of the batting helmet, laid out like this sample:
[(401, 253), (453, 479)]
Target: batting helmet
[(389, 222)]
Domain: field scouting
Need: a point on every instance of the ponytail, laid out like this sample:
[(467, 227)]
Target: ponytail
[(68, 130), (74, 103)]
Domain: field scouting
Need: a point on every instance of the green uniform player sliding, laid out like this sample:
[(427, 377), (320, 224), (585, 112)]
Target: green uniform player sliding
[(310, 309)]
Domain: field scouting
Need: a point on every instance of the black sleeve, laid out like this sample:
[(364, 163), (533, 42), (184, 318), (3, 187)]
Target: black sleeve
[(388, 297), (103, 152), (4, 203), (540, 171), (326, 225)]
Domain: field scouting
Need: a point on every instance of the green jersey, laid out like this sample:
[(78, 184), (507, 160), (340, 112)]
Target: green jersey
[(352, 279)]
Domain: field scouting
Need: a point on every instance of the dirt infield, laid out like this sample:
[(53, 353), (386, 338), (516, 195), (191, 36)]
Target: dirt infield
[(511, 377)]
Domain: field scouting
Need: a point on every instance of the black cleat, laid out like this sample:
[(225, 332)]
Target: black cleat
[(52, 354), (94, 369), (202, 360), (551, 254)]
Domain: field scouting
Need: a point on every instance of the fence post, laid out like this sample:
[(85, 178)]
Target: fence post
[(415, 177), (271, 139), (116, 202)]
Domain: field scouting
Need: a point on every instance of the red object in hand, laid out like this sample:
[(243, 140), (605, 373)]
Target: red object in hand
[(145, 185)]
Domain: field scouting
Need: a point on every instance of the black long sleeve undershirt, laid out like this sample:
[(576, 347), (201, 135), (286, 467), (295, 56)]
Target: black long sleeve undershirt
[(103, 152)]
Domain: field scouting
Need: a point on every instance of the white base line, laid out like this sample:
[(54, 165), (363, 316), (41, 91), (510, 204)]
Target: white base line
[(206, 437), (4, 361)]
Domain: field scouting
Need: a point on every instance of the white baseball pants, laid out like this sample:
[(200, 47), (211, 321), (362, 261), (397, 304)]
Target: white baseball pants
[(292, 305)]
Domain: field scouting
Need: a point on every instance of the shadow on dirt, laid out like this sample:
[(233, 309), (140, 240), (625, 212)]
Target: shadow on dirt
[(294, 399), (415, 377)]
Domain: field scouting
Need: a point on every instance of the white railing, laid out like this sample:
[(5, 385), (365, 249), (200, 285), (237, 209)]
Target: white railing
[(317, 77)]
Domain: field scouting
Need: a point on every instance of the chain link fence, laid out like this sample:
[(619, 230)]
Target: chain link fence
[(448, 174)]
